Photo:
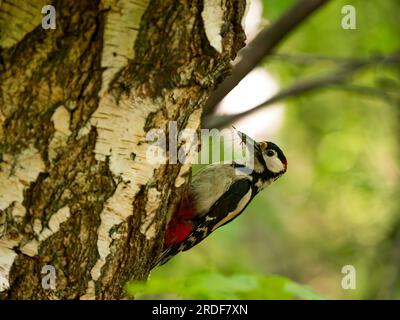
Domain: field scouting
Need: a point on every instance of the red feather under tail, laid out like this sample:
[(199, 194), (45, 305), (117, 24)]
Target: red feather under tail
[(180, 225)]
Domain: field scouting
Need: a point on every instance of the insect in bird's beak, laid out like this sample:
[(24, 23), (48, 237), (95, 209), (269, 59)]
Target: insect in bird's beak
[(246, 139)]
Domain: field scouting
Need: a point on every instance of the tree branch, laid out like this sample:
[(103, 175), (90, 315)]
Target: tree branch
[(384, 94), (305, 86), (261, 46), (305, 59)]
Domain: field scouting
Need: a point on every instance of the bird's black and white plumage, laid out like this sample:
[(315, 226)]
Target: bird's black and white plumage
[(219, 193)]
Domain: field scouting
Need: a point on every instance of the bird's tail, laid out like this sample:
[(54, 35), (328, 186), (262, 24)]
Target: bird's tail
[(165, 256)]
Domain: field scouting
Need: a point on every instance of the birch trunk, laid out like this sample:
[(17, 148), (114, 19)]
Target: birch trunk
[(77, 192)]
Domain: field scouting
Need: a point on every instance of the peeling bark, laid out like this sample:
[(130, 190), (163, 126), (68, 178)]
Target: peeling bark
[(76, 191)]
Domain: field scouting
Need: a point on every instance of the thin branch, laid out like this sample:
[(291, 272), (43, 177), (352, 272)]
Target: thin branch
[(385, 94), (305, 86), (262, 45), (310, 58)]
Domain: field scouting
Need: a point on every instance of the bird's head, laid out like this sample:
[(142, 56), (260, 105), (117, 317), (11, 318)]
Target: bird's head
[(269, 160), (270, 157)]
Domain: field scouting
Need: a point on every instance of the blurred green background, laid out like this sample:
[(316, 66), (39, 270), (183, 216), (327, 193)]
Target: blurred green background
[(338, 204)]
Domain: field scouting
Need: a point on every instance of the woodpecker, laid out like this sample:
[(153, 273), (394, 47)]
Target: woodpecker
[(219, 193)]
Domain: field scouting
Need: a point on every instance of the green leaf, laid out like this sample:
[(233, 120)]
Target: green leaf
[(214, 285), (302, 292)]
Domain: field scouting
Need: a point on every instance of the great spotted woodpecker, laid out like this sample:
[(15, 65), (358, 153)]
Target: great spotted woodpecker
[(218, 193)]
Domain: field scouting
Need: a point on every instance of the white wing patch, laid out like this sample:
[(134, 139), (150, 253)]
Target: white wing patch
[(242, 203)]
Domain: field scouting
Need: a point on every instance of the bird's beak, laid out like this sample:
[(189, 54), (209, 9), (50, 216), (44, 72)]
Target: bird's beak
[(246, 139)]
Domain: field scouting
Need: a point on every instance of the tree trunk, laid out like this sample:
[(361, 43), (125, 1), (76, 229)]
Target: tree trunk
[(77, 192)]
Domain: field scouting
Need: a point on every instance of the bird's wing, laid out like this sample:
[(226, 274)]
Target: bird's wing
[(225, 209)]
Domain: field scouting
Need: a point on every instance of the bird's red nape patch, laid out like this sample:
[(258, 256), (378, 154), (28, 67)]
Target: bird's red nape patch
[(179, 227), (285, 163)]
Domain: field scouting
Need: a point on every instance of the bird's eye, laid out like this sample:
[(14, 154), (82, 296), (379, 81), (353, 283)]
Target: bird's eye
[(270, 153)]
